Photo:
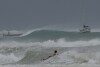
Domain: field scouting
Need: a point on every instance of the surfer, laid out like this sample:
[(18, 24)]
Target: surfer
[(55, 53)]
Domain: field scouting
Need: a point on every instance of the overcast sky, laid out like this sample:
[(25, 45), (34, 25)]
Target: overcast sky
[(28, 14)]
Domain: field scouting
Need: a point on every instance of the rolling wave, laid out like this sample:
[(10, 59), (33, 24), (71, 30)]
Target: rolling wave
[(54, 35)]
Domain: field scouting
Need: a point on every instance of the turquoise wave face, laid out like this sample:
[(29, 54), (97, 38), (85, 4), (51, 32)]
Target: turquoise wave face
[(54, 35)]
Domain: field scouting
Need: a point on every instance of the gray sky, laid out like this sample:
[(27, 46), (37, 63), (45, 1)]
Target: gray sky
[(28, 14)]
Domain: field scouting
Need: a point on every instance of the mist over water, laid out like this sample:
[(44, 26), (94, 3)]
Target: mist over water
[(46, 26)]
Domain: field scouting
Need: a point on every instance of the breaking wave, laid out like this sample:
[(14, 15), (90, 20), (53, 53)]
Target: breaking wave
[(69, 52), (72, 47)]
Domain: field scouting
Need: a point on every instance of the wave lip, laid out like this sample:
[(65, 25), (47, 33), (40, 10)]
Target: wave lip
[(29, 32)]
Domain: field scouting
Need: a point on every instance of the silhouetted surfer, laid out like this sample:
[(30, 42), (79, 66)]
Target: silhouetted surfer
[(55, 53)]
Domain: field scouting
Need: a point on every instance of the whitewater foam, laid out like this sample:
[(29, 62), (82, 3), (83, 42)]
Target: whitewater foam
[(74, 57), (25, 50), (51, 43), (63, 43), (8, 58)]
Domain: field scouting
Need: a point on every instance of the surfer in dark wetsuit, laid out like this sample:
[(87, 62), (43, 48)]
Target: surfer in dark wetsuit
[(55, 53)]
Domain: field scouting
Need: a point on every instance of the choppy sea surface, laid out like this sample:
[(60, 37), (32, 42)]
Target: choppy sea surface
[(34, 46)]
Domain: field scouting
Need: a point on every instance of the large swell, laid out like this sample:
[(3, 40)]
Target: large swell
[(42, 35), (32, 48)]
